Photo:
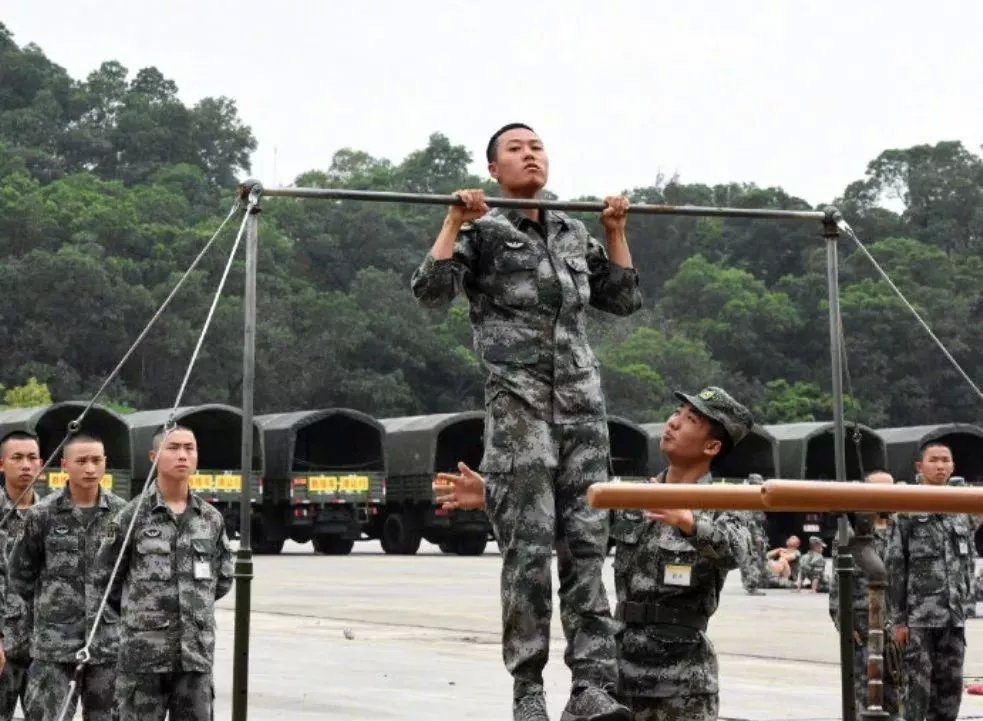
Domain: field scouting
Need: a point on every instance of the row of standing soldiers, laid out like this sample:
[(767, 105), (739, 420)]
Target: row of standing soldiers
[(152, 652), (929, 561)]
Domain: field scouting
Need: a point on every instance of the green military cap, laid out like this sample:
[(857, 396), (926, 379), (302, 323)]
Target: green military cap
[(718, 404)]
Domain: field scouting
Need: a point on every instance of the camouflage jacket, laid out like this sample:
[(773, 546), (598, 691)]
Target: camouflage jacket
[(173, 570), (529, 287), (812, 567), (51, 569), (18, 616), (663, 574), (861, 605), (929, 558)]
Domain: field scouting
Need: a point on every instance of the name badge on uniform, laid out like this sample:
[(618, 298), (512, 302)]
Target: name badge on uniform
[(203, 570), (963, 548), (677, 575)]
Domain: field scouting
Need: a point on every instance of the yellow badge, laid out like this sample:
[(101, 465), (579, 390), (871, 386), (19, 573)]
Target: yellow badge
[(706, 395), (677, 575)]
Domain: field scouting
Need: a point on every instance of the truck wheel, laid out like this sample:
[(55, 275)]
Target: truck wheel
[(472, 544), (333, 545), (267, 547), (399, 536), (448, 545)]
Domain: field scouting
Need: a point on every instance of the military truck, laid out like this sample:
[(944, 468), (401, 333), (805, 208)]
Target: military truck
[(964, 439), (806, 452), (324, 477), (417, 448), (50, 424), (631, 450), (218, 430)]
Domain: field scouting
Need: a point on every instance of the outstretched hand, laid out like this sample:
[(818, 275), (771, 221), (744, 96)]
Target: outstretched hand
[(460, 491)]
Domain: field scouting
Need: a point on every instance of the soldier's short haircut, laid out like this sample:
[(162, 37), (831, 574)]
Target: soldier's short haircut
[(159, 435), (18, 436), (491, 152), (83, 438), (931, 444)]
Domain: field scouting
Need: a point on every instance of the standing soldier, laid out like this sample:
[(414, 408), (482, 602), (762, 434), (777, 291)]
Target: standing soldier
[(20, 461), (927, 560), (754, 565), (177, 564), (883, 526), (51, 568), (530, 276)]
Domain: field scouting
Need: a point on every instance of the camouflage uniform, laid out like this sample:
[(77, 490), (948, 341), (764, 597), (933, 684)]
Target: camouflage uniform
[(51, 568), (668, 585), (173, 570), (754, 565), (928, 555), (546, 437), (18, 621), (813, 567), (881, 534)]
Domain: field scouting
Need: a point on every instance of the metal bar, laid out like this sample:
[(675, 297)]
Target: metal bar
[(789, 496), (244, 559), (519, 203), (845, 568)]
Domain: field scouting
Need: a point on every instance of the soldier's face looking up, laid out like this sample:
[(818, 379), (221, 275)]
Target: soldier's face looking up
[(177, 455), (686, 437), (521, 165), (936, 465), (20, 462), (85, 464)]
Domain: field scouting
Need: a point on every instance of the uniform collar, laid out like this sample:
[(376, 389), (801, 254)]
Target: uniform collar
[(705, 478), (64, 500), (158, 502)]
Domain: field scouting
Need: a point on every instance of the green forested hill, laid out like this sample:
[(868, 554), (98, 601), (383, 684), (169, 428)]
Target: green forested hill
[(109, 185)]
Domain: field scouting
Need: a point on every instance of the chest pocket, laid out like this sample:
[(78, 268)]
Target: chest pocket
[(925, 559), (577, 266), (516, 277), (626, 531), (153, 559), (62, 550)]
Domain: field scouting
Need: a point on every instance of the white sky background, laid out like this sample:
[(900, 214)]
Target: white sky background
[(801, 95)]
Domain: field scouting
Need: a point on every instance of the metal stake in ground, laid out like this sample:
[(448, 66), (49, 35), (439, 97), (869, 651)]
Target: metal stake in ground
[(244, 557)]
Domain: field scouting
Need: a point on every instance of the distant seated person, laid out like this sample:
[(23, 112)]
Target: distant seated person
[(783, 563), (812, 569)]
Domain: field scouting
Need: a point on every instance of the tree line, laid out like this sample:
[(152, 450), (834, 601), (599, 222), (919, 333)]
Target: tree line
[(110, 185)]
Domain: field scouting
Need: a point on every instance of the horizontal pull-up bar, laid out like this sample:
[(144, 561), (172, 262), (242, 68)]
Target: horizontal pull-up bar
[(828, 216), (781, 496)]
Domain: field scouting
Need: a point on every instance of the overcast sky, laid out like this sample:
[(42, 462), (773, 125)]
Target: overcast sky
[(797, 94)]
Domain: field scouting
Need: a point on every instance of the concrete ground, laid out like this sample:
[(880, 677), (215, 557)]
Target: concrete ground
[(371, 637)]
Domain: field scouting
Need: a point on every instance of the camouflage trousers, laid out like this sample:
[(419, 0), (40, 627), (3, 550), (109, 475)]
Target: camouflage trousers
[(13, 687), (934, 667), (47, 687), (536, 479), (180, 695), (891, 693), (705, 707)]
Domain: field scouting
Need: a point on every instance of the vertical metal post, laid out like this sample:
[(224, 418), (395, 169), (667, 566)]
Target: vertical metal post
[(844, 566), (244, 558)]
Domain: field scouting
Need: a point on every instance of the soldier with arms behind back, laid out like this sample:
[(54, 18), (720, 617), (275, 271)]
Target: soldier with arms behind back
[(177, 564), (929, 593), (52, 569)]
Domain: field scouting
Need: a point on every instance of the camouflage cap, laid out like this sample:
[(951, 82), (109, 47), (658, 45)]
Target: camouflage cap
[(716, 403), (755, 479), (816, 540)]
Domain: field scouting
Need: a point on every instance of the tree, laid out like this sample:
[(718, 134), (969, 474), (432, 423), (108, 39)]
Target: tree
[(28, 395)]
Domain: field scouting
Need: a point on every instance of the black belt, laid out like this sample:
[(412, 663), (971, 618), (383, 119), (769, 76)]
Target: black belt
[(643, 614)]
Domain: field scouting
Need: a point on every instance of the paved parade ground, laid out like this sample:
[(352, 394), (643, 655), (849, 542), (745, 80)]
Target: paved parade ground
[(371, 637)]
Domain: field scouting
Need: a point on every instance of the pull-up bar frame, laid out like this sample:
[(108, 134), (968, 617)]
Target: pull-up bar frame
[(252, 189)]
